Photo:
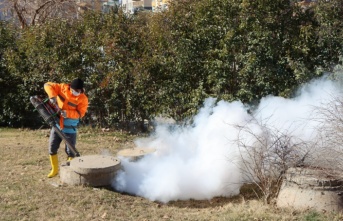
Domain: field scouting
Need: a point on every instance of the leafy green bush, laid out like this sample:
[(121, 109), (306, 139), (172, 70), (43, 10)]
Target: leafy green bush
[(139, 66)]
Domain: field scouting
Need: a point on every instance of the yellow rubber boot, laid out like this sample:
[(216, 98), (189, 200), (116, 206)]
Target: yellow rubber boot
[(54, 165), (68, 160)]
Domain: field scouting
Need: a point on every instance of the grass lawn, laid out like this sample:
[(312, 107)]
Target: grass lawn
[(27, 194)]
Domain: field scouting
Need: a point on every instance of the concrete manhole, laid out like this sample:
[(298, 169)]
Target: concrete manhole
[(311, 188), (92, 170), (135, 154)]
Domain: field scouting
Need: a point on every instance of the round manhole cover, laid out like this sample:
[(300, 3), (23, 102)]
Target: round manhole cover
[(94, 164), (135, 152)]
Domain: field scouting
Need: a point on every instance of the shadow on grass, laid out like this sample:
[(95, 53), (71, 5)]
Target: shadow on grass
[(247, 192)]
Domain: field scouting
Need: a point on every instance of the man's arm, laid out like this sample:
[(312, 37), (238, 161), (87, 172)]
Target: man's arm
[(52, 89), (80, 110)]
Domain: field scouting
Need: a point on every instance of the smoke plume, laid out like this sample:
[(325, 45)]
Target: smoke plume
[(202, 160)]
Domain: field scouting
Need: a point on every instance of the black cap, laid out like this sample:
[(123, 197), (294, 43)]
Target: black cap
[(77, 84)]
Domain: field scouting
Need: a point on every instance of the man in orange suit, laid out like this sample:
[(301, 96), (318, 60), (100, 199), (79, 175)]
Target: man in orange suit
[(73, 103)]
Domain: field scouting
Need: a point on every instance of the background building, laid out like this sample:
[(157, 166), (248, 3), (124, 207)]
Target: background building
[(132, 6), (159, 5)]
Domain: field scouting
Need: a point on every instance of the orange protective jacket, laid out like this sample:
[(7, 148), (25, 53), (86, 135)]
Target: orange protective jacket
[(75, 106)]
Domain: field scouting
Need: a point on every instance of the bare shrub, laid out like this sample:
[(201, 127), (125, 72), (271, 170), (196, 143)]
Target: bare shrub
[(266, 154), (329, 152)]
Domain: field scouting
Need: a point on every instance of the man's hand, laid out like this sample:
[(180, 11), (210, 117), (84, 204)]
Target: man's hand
[(53, 100), (64, 113)]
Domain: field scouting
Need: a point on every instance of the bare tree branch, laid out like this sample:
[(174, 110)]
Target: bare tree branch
[(20, 15), (34, 12), (40, 8)]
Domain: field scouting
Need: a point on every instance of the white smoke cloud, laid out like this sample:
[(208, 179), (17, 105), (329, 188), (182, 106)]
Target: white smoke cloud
[(201, 161), (296, 115)]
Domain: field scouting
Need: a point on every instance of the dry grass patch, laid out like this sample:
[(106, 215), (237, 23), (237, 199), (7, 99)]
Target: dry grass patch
[(27, 194)]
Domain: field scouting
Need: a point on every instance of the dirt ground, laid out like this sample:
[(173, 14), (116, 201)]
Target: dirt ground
[(27, 194)]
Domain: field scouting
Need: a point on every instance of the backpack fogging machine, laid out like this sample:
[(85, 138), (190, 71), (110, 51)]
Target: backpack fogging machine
[(50, 113)]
